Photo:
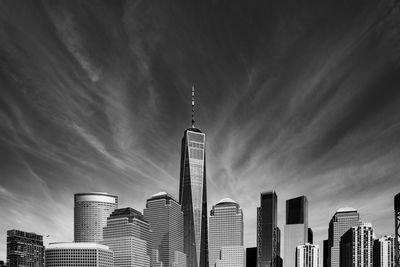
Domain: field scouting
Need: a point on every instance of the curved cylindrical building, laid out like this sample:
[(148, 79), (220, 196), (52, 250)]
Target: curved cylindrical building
[(91, 211), (78, 254)]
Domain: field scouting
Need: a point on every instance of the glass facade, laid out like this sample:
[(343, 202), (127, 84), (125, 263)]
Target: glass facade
[(226, 230), (90, 215), (24, 249), (165, 217), (193, 197), (296, 228), (342, 220), (128, 235), (268, 233), (297, 210)]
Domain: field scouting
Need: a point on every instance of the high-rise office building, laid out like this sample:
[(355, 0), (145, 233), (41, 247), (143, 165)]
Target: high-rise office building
[(251, 257), (268, 233), (24, 249), (296, 228), (193, 195), (128, 235), (165, 217), (307, 255), (325, 256), (356, 246), (226, 234), (397, 230), (78, 254), (384, 252), (90, 215), (342, 220)]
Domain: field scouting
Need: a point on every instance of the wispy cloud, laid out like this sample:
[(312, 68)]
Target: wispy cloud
[(298, 97)]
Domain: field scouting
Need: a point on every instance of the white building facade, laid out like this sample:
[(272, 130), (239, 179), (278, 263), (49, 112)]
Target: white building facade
[(91, 211), (307, 255), (128, 235), (356, 246), (78, 255), (384, 252), (226, 234)]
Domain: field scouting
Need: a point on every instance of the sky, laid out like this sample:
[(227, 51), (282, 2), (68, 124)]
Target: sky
[(301, 97)]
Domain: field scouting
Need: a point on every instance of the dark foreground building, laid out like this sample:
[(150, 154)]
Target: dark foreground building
[(251, 257), (268, 233), (24, 249)]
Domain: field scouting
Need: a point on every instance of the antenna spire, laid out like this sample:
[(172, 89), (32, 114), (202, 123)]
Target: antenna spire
[(192, 106)]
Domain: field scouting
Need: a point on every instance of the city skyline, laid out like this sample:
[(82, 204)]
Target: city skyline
[(298, 98)]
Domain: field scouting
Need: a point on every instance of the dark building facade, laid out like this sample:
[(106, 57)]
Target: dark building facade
[(251, 257), (296, 228), (193, 197), (268, 233), (24, 249), (325, 255), (297, 210), (310, 236)]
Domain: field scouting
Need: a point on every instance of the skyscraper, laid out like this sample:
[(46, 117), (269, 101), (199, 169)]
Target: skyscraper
[(165, 217), (128, 235), (384, 252), (78, 255), (90, 215), (268, 233), (356, 246), (307, 255), (342, 220), (24, 249), (226, 234), (193, 195), (397, 229), (296, 228)]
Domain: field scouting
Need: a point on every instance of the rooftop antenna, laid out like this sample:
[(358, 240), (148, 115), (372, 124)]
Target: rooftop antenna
[(192, 106)]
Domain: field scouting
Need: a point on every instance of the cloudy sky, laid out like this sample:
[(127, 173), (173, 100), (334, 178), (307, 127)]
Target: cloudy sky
[(298, 96)]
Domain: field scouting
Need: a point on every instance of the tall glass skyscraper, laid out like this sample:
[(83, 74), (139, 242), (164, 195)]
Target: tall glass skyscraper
[(90, 215), (342, 220), (296, 228), (24, 249), (268, 233), (128, 235), (226, 234), (193, 196), (165, 217)]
